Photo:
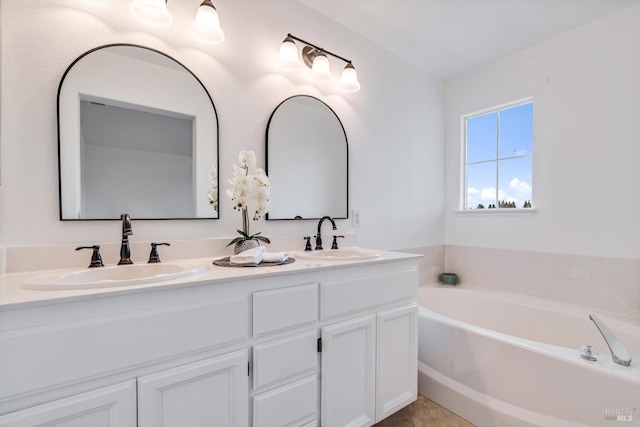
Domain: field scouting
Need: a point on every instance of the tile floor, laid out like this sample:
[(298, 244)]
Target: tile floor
[(424, 413)]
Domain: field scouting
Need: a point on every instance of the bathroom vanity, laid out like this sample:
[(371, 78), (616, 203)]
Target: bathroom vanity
[(315, 342)]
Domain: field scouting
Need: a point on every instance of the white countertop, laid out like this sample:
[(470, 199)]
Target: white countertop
[(14, 296)]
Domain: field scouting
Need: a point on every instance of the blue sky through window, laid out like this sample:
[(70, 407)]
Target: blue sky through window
[(499, 156)]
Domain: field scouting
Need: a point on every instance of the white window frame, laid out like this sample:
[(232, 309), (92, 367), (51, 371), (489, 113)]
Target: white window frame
[(464, 209)]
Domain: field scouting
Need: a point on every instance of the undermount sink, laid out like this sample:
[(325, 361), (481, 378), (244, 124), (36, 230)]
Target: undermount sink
[(114, 276), (346, 254)]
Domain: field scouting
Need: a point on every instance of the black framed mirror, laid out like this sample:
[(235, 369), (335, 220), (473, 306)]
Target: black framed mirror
[(307, 161), (137, 133)]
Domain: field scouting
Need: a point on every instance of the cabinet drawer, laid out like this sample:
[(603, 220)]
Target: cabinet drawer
[(292, 405), (340, 297), (277, 360), (284, 308)]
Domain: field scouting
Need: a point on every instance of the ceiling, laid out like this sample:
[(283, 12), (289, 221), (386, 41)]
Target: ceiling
[(448, 37)]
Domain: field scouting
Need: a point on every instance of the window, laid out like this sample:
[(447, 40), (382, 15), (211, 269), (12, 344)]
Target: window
[(498, 162)]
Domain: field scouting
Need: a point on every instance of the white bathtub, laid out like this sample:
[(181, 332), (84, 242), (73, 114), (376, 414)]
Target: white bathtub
[(502, 359)]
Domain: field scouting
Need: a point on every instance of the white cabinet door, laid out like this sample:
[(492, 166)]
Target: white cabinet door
[(113, 406), (213, 392), (397, 359), (348, 373)]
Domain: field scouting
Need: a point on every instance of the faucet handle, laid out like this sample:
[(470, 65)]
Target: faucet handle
[(334, 245), (153, 256), (96, 259), (587, 352), (307, 247)]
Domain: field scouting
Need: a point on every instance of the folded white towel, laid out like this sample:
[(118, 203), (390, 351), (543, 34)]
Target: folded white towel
[(249, 257), (275, 257)]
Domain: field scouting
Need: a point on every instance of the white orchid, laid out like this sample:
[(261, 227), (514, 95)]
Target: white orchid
[(250, 191), (213, 188), (250, 187), (247, 158)]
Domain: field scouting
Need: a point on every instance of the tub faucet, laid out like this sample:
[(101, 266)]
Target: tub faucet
[(318, 236), (620, 354), (125, 251)]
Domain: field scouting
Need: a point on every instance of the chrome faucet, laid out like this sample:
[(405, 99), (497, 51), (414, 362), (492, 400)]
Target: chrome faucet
[(318, 236), (125, 251), (620, 354)]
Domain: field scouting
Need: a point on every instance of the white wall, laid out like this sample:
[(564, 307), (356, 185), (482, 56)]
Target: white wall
[(394, 124), (586, 90)]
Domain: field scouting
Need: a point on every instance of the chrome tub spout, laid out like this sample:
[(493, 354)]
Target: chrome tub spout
[(620, 354)]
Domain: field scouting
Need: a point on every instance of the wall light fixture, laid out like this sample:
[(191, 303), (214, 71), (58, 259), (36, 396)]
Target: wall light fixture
[(316, 59), (152, 12), (205, 27)]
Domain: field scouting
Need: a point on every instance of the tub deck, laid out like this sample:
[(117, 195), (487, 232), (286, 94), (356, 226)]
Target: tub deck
[(506, 359)]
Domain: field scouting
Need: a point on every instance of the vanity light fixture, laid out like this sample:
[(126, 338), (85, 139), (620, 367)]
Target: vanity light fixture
[(152, 12), (96, 2), (206, 26), (349, 79), (289, 55), (320, 69), (316, 58)]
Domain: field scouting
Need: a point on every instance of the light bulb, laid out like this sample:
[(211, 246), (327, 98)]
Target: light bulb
[(288, 57), (152, 12), (320, 70), (349, 79), (95, 2), (206, 26)]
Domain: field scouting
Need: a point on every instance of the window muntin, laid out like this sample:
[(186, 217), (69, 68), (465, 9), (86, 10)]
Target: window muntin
[(499, 156)]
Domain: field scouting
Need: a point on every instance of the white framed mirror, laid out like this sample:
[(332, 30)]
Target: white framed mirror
[(307, 161), (137, 133)]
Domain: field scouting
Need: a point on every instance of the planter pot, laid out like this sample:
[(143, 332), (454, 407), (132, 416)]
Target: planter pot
[(244, 245), (449, 278)]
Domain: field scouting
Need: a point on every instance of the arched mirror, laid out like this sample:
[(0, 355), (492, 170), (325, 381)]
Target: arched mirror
[(137, 133), (307, 161)]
